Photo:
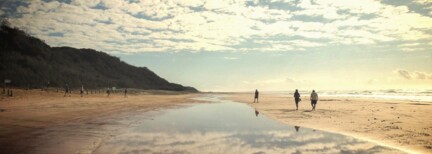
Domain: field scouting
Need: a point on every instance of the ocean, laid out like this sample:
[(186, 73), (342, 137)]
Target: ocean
[(398, 94)]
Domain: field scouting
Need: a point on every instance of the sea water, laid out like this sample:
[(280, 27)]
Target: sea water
[(397, 94)]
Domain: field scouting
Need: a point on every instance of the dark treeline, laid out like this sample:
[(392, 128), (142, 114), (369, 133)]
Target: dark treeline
[(31, 63)]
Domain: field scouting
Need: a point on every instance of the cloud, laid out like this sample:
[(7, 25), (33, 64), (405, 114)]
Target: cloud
[(414, 75), (416, 46), (427, 4), (86, 3), (230, 58), (405, 74), (290, 80), (146, 26), (422, 75)]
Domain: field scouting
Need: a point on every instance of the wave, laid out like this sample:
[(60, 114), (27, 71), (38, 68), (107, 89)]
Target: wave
[(400, 94)]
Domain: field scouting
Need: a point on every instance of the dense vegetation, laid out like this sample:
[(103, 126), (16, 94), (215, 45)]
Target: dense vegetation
[(29, 62)]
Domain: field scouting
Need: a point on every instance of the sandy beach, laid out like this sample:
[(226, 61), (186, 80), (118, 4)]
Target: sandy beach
[(36, 121), (46, 122), (404, 125)]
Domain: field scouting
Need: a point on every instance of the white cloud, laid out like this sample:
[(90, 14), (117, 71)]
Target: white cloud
[(410, 44), (360, 7), (410, 47), (324, 10), (303, 43), (86, 3), (220, 25), (231, 58)]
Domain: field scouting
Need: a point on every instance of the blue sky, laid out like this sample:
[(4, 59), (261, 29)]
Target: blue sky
[(218, 45)]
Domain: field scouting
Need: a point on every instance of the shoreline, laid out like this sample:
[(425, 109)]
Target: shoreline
[(399, 124), (424, 98)]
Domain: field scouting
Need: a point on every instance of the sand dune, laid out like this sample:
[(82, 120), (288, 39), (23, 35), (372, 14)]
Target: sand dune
[(404, 125)]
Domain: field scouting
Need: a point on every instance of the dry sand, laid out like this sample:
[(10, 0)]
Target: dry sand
[(46, 122), (404, 125)]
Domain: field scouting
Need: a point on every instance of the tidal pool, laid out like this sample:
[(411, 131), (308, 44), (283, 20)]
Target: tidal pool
[(227, 127)]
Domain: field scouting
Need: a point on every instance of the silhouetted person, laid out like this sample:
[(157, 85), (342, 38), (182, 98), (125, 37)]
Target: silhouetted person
[(256, 95), (297, 98), (297, 128), (108, 92), (314, 99), (47, 86), (66, 90), (256, 112), (125, 92), (82, 90)]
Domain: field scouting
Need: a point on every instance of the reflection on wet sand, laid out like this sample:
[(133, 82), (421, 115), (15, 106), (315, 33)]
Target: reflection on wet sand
[(228, 128), (297, 128), (235, 142)]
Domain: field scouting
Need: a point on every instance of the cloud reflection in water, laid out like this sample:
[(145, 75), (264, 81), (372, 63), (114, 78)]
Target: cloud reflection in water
[(228, 128)]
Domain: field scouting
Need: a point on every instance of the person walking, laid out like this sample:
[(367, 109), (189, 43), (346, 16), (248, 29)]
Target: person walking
[(82, 90), (108, 91), (297, 98), (256, 95), (66, 90), (314, 99)]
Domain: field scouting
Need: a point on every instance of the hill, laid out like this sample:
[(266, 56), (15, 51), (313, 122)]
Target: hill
[(29, 62)]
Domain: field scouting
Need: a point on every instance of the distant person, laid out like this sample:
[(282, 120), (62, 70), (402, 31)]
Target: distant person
[(82, 90), (297, 98), (125, 92), (108, 92), (256, 95), (314, 99), (47, 86), (66, 90)]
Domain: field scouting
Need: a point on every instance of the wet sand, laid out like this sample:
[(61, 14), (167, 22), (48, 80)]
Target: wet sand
[(404, 125), (46, 122)]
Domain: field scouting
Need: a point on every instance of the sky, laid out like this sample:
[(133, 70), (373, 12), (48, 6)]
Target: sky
[(243, 45)]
